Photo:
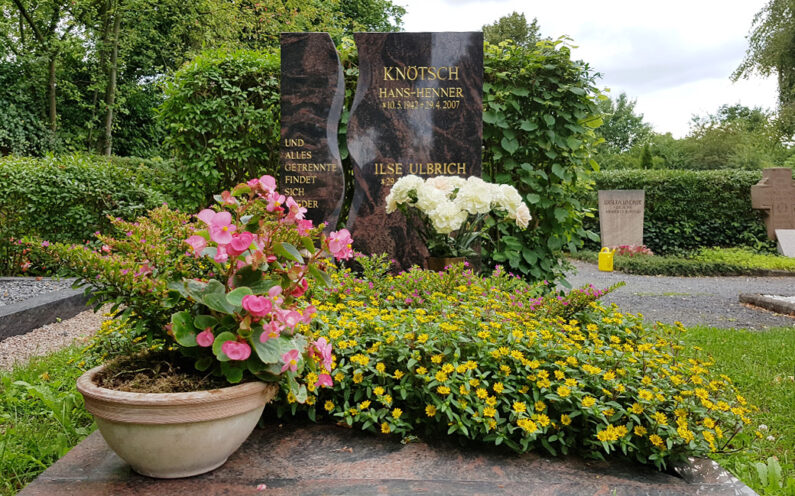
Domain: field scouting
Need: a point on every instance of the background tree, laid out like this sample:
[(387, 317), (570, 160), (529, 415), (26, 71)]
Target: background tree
[(771, 50), (622, 127), (512, 27)]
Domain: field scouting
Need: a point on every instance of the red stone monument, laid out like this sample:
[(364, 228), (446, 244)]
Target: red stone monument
[(775, 193)]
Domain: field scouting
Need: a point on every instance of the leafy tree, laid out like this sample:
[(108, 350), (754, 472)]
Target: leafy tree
[(771, 50), (622, 127), (512, 27), (645, 158), (372, 15)]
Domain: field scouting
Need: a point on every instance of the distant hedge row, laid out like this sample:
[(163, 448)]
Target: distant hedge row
[(67, 198), (687, 210)]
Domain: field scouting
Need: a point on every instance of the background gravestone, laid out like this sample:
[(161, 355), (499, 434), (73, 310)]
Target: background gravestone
[(621, 217), (786, 242), (417, 110), (312, 95), (775, 193)]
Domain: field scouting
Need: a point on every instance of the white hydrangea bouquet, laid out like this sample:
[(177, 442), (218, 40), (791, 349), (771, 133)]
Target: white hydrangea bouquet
[(453, 210)]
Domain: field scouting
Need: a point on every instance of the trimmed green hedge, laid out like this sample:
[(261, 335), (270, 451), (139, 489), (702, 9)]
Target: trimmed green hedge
[(687, 210), (67, 198)]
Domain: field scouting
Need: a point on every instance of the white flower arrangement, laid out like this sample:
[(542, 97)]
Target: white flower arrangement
[(452, 209)]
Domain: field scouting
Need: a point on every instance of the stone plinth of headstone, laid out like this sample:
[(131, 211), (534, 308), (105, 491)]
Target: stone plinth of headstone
[(621, 217), (786, 242), (312, 95), (775, 194), (417, 110)]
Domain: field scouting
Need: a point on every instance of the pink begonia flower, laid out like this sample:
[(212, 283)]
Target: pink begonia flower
[(198, 243), (205, 338), (308, 313), (240, 243), (323, 349), (324, 380), (106, 248), (45, 244), (274, 293), (290, 360), (296, 212), (258, 306), (253, 183), (144, 269), (271, 330), (206, 215), (299, 290), (339, 244), (220, 254), (290, 318), (275, 202), (236, 350), (221, 228), (228, 199), (268, 183), (303, 226)]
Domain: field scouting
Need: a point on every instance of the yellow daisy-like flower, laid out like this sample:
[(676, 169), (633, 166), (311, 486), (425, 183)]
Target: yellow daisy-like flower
[(660, 418), (447, 368), (364, 405), (338, 377), (527, 425), (481, 393), (378, 390), (474, 382), (441, 376), (588, 401), (645, 394), (421, 371), (498, 388), (708, 423), (396, 413), (639, 431), (542, 420), (489, 411), (437, 358), (657, 441), (443, 390), (430, 410), (609, 376), (565, 419), (329, 406), (380, 367), (519, 407), (491, 400), (358, 377), (385, 428), (563, 391), (636, 408), (399, 374)]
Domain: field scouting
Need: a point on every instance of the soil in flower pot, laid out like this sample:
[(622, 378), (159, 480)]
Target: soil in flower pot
[(156, 372)]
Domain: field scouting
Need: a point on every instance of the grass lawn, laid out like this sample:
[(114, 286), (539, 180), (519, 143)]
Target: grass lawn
[(41, 417), (762, 366), (41, 421)]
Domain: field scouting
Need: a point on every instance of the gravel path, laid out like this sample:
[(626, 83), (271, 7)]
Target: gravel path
[(16, 289), (709, 301)]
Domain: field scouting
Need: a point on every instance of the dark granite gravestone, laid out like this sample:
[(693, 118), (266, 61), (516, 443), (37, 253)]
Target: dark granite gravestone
[(417, 110), (312, 94), (775, 193)]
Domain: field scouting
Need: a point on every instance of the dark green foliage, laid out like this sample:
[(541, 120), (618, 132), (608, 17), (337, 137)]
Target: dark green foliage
[(645, 158), (687, 210), (622, 128), (655, 265), (22, 130), (221, 117), (538, 136), (70, 197)]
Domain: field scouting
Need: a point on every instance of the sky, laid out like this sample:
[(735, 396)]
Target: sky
[(674, 57)]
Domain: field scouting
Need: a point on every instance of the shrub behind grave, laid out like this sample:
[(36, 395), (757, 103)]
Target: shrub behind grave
[(687, 210), (68, 198), (221, 117)]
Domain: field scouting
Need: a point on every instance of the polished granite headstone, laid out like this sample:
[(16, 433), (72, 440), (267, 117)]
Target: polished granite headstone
[(417, 110), (312, 94)]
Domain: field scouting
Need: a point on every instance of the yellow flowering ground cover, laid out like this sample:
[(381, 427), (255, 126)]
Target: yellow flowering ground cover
[(490, 359)]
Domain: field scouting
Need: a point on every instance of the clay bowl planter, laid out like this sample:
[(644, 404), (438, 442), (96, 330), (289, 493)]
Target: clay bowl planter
[(171, 435)]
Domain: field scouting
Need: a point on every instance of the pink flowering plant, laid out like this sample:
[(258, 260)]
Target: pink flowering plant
[(249, 317)]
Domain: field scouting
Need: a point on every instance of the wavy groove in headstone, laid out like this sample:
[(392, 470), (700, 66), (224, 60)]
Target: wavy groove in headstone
[(417, 110), (312, 95)]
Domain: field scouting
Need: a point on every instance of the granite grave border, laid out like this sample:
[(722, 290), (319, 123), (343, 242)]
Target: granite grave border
[(24, 316)]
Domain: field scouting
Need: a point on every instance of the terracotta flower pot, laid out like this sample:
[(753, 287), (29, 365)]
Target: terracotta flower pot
[(170, 435), (439, 263)]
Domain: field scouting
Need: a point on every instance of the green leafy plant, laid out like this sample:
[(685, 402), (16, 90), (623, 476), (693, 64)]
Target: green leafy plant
[(221, 119), (538, 135)]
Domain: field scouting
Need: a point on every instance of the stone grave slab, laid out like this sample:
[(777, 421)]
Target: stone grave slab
[(417, 110), (621, 217), (312, 95), (786, 242), (286, 459), (775, 194)]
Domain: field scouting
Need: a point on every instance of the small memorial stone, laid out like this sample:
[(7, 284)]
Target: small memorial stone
[(786, 242), (417, 110), (312, 95), (775, 193), (621, 217)]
